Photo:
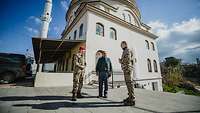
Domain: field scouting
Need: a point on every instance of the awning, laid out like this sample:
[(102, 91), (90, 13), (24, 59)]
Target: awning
[(49, 50)]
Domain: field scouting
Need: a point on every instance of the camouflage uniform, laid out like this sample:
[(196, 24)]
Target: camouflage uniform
[(79, 70), (127, 64)]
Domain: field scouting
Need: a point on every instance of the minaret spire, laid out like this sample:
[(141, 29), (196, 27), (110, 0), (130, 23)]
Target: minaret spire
[(46, 19)]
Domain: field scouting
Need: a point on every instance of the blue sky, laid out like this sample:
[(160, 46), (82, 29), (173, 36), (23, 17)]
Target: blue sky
[(176, 22)]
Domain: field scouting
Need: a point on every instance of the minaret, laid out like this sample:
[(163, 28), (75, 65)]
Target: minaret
[(46, 19)]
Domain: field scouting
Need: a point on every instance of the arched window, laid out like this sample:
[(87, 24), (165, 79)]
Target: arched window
[(99, 29), (75, 32), (149, 65), (113, 33), (153, 47), (147, 44), (155, 66), (81, 31), (129, 17), (124, 16)]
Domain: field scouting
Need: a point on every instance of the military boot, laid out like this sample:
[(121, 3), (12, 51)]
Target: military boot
[(125, 100), (74, 97), (132, 103), (129, 102), (79, 95)]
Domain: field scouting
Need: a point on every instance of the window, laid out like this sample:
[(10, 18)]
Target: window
[(153, 47), (147, 44), (129, 16), (155, 66), (99, 29), (124, 16), (81, 31), (155, 86), (70, 38), (149, 65), (113, 33), (75, 35)]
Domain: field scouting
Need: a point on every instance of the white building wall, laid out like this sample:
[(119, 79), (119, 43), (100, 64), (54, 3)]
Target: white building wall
[(83, 21), (136, 42)]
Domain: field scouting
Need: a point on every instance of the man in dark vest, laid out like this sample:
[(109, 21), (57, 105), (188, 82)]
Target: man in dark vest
[(102, 73)]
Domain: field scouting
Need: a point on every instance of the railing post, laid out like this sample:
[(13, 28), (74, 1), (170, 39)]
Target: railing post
[(112, 81)]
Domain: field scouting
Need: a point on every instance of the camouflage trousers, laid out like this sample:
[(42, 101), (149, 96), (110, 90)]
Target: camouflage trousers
[(77, 81), (129, 84)]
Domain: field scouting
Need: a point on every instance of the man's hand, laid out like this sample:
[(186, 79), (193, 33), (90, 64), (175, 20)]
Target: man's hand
[(82, 67)]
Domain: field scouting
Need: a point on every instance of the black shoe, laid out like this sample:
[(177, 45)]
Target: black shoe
[(79, 95), (99, 96), (129, 103), (105, 96), (125, 100), (74, 99)]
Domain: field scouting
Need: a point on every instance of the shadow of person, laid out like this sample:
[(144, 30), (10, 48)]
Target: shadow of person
[(57, 105), (21, 98)]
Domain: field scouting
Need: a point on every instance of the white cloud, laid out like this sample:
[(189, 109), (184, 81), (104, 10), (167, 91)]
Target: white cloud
[(35, 19), (56, 30), (32, 30), (65, 4), (180, 40), (181, 49), (159, 28), (185, 27)]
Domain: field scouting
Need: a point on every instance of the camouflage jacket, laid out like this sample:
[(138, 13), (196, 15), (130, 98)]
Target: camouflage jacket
[(127, 60), (79, 62)]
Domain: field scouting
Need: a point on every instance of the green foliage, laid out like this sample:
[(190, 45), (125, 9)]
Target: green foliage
[(174, 75), (172, 89), (172, 62), (175, 89), (172, 72)]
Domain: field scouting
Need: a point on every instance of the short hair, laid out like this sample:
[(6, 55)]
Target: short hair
[(124, 42), (81, 48), (101, 51)]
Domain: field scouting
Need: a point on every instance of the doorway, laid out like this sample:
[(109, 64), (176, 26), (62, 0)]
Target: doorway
[(155, 86)]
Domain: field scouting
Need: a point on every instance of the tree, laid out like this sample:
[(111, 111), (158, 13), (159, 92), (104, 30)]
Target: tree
[(172, 71)]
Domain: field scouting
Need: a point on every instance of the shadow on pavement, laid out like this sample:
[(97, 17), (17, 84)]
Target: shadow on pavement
[(70, 104), (21, 98), (57, 105)]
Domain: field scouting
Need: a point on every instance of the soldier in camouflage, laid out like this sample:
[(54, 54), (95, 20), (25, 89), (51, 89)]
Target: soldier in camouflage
[(127, 64), (78, 74)]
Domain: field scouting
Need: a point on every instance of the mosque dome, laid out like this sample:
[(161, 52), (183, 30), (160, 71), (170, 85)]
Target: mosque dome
[(131, 4)]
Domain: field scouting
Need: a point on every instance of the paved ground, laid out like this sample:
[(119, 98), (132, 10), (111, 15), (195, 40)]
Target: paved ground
[(57, 100)]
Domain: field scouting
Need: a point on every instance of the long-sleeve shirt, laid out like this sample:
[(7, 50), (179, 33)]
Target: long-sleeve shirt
[(127, 60), (79, 62), (110, 69), (101, 65)]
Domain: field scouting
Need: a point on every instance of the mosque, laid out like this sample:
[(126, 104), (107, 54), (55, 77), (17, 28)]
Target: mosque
[(100, 25)]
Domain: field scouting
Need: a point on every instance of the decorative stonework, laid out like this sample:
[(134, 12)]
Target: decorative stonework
[(130, 3)]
